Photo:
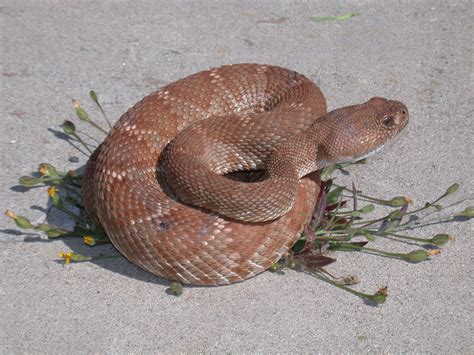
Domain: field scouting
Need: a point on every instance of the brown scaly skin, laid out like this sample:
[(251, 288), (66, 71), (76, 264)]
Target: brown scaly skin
[(342, 135), (257, 117)]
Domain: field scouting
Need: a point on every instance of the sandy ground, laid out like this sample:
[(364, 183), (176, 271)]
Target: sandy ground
[(419, 52)]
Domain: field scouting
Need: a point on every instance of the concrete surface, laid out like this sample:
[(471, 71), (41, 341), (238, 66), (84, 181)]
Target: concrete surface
[(419, 52)]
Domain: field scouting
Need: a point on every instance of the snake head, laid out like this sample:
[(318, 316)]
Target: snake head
[(355, 132)]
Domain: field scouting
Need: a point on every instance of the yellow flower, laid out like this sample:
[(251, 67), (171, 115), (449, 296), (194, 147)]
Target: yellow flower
[(66, 256), (43, 171), (408, 200), (52, 191), (88, 240), (435, 251), (75, 104), (10, 214)]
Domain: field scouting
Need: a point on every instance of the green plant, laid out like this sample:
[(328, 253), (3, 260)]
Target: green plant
[(339, 221)]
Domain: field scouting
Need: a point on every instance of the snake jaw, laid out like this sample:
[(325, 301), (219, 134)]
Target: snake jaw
[(363, 156)]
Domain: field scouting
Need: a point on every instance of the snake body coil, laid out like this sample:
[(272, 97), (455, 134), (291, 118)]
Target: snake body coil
[(157, 184)]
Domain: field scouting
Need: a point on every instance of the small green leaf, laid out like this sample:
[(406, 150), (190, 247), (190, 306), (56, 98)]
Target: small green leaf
[(398, 201), (55, 200), (367, 209), (440, 239), (416, 256), (327, 171), (334, 194), (355, 213), (82, 115), (93, 96), (23, 222), (29, 181), (55, 233), (175, 289), (44, 227), (342, 165), (452, 189), (397, 214), (80, 257), (468, 212), (69, 127), (380, 296)]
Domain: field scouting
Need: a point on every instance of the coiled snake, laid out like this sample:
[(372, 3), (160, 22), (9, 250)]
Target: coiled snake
[(157, 183)]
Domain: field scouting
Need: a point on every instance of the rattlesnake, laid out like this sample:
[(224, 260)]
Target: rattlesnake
[(157, 183)]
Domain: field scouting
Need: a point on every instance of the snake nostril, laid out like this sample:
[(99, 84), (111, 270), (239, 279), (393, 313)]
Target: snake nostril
[(404, 112)]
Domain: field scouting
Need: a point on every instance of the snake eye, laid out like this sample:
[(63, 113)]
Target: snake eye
[(388, 121)]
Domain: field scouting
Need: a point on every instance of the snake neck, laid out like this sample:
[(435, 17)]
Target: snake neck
[(311, 150), (297, 157)]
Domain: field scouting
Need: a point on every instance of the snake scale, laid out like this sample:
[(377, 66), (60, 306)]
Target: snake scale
[(162, 186)]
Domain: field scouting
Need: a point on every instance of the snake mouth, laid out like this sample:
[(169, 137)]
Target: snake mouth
[(367, 154)]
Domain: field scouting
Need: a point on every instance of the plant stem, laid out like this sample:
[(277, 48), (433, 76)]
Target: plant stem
[(368, 250), (421, 240), (370, 198), (341, 286), (82, 142), (95, 258), (333, 215), (98, 127)]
